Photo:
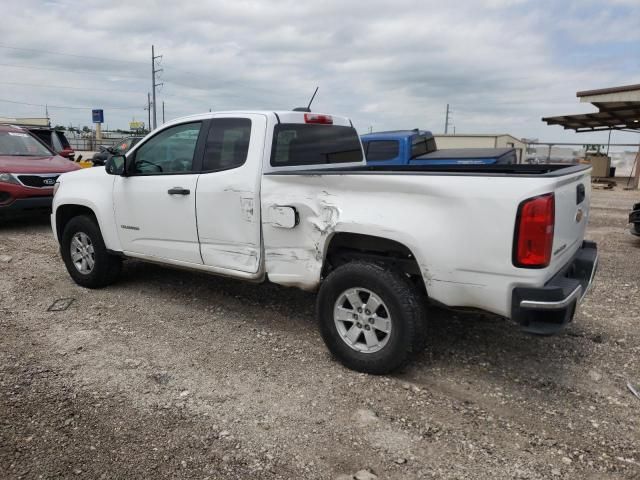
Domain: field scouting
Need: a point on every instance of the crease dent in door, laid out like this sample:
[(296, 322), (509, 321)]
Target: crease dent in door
[(239, 253)]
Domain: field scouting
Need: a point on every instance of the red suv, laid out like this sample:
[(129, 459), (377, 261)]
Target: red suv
[(28, 171)]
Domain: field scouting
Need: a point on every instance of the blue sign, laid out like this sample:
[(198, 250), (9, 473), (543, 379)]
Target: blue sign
[(98, 116)]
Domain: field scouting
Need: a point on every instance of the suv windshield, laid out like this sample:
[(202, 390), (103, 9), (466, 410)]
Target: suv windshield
[(21, 144)]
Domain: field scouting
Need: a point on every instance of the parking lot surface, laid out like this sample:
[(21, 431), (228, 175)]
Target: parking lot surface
[(171, 374)]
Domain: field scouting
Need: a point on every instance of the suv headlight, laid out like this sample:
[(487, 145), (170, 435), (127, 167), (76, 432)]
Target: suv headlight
[(8, 178)]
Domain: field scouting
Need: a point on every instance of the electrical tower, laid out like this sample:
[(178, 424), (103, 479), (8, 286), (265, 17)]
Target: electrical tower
[(154, 84), (447, 120), (148, 109)]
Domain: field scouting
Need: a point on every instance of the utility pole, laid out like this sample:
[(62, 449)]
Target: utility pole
[(163, 112), (149, 111), (446, 121), (153, 83)]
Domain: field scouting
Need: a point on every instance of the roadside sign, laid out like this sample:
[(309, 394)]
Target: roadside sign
[(98, 116), (134, 125)]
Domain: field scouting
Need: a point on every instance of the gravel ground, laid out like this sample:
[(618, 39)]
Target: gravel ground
[(171, 374)]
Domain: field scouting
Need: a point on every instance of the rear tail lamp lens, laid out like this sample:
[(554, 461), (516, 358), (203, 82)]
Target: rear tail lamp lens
[(534, 232)]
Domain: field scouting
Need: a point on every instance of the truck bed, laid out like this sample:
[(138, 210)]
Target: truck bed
[(458, 221)]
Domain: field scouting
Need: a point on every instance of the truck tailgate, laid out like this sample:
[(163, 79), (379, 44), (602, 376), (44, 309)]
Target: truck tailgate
[(572, 196)]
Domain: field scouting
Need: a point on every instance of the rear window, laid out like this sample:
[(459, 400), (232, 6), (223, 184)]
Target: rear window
[(382, 149), (422, 145), (304, 144)]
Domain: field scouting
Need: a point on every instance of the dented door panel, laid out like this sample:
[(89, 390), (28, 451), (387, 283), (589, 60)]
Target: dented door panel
[(228, 209)]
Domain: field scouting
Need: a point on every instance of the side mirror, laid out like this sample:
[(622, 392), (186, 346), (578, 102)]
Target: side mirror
[(116, 165)]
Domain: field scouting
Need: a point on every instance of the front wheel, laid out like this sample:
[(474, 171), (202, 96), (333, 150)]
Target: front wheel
[(85, 255), (371, 318)]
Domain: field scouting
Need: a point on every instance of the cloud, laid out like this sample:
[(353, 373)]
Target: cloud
[(501, 64)]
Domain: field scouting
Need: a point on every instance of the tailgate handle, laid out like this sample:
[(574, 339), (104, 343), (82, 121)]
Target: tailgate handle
[(580, 194)]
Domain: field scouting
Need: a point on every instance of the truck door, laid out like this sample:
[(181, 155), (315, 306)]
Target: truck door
[(155, 205), (228, 194)]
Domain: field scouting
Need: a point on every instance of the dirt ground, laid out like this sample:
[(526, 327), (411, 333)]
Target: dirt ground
[(170, 374)]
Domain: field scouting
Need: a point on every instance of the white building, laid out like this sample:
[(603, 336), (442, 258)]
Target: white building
[(503, 140)]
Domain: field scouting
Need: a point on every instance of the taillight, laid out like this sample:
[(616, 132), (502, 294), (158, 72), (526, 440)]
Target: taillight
[(316, 118), (534, 232)]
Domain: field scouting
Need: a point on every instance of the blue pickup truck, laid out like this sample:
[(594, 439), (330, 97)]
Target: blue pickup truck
[(418, 147)]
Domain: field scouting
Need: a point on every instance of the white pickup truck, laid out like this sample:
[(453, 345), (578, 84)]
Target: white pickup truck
[(287, 197)]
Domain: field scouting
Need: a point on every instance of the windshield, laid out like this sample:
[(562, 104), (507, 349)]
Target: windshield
[(21, 144)]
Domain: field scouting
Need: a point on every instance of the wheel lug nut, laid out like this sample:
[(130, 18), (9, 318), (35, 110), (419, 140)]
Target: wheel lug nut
[(367, 327), (355, 316), (359, 325), (371, 320), (367, 312), (359, 310)]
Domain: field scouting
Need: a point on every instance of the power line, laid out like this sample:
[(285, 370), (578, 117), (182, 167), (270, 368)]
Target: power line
[(219, 85), (36, 85), (66, 106), (38, 50), (66, 70)]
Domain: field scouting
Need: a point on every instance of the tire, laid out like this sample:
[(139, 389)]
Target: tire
[(105, 268), (405, 317)]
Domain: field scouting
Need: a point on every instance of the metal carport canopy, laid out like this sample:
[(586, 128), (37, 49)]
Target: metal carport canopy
[(619, 109)]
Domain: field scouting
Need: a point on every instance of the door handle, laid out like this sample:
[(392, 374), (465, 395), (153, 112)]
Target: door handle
[(178, 191)]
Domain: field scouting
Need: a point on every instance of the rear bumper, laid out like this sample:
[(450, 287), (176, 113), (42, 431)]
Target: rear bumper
[(546, 310), (27, 205)]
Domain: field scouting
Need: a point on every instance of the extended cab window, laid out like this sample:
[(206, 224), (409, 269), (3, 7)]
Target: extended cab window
[(308, 144), (170, 151), (382, 149), (227, 143)]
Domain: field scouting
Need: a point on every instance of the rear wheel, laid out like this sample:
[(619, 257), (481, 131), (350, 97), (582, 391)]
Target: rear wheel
[(85, 255), (371, 318)]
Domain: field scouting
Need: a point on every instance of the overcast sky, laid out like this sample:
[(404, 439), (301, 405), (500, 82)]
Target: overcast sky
[(501, 64)]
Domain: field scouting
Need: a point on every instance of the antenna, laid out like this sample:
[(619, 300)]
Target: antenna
[(312, 97), (308, 107)]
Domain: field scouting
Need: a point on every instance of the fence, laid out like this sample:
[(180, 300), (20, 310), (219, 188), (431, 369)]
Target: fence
[(547, 154), (91, 144)]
